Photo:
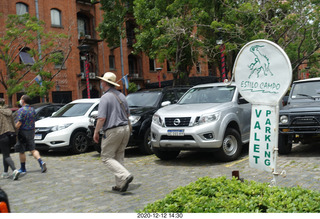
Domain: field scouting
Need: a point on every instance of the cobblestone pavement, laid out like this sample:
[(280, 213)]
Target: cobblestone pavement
[(81, 183)]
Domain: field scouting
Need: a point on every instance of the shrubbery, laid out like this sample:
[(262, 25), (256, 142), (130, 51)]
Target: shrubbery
[(222, 195)]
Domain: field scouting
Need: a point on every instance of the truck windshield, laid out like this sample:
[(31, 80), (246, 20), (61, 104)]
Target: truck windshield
[(216, 94), (145, 99), (308, 90)]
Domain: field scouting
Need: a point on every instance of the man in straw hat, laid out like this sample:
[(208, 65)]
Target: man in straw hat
[(113, 115)]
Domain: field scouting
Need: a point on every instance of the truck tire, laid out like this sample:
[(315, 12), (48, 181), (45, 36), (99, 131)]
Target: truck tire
[(145, 147), (284, 146), (166, 155), (79, 142), (231, 146)]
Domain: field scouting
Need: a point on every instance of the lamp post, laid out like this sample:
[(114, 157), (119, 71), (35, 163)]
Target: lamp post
[(159, 70), (85, 48)]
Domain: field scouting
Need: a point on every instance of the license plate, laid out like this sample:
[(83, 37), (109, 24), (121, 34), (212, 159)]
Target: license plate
[(38, 136), (175, 132)]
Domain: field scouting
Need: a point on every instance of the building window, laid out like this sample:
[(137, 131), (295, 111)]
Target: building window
[(198, 67), (56, 18), (112, 64), (58, 60), (152, 65), (168, 66), (25, 57), (21, 8), (83, 26)]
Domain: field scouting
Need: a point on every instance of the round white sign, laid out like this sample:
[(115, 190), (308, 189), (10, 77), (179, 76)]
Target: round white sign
[(262, 72)]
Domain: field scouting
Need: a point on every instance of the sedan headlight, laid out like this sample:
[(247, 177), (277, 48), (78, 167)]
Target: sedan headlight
[(134, 119), (157, 119), (60, 127), (284, 120), (206, 118)]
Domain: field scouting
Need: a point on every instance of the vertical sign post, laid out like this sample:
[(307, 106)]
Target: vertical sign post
[(263, 74)]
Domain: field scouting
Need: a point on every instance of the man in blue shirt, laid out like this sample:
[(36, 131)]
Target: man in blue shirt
[(25, 124)]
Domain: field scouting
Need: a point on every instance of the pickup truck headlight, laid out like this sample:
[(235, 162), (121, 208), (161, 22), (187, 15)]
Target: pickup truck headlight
[(206, 118), (157, 119), (134, 119), (60, 127), (284, 120)]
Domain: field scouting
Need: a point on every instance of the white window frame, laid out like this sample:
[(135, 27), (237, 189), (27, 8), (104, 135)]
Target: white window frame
[(55, 17)]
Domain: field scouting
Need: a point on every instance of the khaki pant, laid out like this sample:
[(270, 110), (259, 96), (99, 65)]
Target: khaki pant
[(113, 145)]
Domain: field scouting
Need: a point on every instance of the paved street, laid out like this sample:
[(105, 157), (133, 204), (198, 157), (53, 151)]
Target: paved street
[(80, 183)]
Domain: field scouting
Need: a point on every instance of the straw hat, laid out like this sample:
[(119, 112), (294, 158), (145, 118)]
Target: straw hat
[(110, 78)]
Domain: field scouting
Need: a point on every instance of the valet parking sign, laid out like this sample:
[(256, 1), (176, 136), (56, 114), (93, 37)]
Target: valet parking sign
[(263, 74)]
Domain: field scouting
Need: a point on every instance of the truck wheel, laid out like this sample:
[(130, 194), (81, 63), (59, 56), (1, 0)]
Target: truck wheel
[(79, 142), (231, 146), (166, 155), (284, 146), (145, 147)]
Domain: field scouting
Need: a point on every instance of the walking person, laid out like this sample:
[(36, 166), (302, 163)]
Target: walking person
[(26, 128), (113, 115), (6, 130)]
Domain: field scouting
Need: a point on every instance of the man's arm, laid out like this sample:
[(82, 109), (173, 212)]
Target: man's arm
[(99, 125)]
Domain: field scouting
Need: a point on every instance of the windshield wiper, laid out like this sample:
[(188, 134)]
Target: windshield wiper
[(306, 95)]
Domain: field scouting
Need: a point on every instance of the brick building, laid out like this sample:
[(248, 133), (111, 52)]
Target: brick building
[(81, 18)]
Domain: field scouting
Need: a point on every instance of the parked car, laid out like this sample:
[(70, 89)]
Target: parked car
[(43, 110), (143, 104), (67, 128), (300, 118), (211, 117)]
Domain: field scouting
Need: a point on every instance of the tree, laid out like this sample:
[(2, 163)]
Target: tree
[(19, 50), (293, 25), (181, 31), (168, 31)]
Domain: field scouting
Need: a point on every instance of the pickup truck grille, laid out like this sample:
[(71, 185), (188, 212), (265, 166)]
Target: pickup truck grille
[(177, 122), (303, 124)]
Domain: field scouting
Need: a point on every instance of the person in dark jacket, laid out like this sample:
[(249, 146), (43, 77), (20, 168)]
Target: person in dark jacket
[(7, 131)]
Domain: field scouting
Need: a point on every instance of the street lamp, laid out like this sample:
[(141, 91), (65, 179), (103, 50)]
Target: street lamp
[(159, 70), (85, 48)]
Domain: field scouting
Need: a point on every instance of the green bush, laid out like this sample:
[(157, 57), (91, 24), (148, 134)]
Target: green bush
[(222, 195)]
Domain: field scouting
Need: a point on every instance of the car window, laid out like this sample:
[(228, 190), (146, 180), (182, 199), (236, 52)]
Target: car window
[(73, 109), (143, 99), (45, 112), (216, 94), (169, 96), (306, 90)]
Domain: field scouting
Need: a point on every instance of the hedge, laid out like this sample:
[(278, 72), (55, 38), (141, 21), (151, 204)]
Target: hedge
[(222, 195)]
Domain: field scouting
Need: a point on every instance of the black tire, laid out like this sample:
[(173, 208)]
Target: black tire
[(146, 147), (231, 146), (79, 142), (166, 155), (284, 146)]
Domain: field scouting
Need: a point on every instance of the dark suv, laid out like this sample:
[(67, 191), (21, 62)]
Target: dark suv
[(300, 118), (143, 104)]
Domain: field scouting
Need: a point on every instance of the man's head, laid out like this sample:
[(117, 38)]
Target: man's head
[(108, 79), (25, 99), (2, 102)]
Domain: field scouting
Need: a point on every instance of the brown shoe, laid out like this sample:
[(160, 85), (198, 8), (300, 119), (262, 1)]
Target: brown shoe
[(126, 182)]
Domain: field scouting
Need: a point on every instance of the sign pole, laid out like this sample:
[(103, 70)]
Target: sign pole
[(263, 75)]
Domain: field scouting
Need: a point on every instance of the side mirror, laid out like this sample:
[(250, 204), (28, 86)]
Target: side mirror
[(241, 100), (94, 114), (165, 103)]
